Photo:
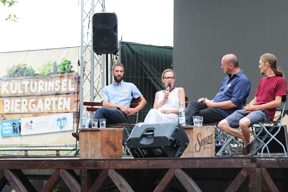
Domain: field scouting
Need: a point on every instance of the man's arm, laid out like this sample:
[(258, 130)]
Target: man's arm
[(222, 105), (271, 105), (106, 103), (141, 105), (252, 102)]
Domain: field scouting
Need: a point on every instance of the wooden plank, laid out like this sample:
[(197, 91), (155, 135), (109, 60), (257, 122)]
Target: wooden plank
[(279, 162), (18, 180), (24, 180), (100, 182), (147, 163), (239, 181), (165, 181), (119, 181), (69, 177), (35, 149), (85, 175), (94, 104), (255, 180), (267, 182), (52, 182), (3, 180), (186, 181)]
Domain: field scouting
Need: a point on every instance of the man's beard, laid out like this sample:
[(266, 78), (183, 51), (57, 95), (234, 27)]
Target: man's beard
[(118, 80)]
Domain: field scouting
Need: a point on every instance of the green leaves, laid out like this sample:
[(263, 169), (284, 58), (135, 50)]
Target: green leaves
[(20, 70), (48, 68), (10, 3), (65, 66), (11, 17)]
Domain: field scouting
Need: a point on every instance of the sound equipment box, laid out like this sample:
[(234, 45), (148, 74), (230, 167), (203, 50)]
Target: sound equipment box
[(105, 33), (166, 139)]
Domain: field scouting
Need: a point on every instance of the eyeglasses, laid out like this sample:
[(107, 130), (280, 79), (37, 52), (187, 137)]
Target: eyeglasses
[(168, 77)]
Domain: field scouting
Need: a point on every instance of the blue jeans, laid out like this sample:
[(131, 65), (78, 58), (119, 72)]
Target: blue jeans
[(112, 115)]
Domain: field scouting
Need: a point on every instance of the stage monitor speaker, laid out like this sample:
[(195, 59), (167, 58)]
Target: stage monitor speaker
[(274, 146), (167, 139), (105, 33)]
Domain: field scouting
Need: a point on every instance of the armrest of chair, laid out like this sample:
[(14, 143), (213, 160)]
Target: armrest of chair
[(92, 106)]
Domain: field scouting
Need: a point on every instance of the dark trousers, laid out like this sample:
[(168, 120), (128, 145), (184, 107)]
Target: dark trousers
[(210, 115), (112, 115)]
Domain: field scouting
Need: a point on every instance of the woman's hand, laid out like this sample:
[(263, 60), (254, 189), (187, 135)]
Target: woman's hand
[(165, 111), (166, 94)]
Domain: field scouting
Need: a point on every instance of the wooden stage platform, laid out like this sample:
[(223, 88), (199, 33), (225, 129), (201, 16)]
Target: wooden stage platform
[(150, 174)]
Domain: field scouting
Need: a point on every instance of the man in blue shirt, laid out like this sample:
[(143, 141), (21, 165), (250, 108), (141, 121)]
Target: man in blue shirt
[(116, 98), (234, 90)]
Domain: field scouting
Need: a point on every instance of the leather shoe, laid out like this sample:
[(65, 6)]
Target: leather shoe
[(246, 150), (76, 135), (255, 146)]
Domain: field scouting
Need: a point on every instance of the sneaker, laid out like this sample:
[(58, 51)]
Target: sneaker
[(246, 150), (255, 147)]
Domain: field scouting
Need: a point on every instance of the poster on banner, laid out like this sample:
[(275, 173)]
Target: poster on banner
[(37, 125), (10, 127)]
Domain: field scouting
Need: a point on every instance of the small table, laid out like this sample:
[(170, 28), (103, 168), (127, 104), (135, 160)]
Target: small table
[(100, 143), (202, 141)]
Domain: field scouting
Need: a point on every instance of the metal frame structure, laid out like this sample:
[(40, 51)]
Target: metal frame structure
[(92, 66)]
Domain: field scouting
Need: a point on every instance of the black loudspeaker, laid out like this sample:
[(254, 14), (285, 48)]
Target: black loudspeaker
[(105, 33), (167, 139)]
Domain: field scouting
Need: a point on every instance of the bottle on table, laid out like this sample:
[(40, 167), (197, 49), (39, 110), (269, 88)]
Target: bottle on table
[(182, 118), (85, 118)]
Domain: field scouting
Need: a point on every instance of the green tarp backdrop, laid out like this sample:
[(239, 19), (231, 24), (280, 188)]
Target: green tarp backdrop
[(144, 65)]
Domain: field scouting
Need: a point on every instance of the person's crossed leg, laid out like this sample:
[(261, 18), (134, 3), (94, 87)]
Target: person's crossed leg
[(243, 120)]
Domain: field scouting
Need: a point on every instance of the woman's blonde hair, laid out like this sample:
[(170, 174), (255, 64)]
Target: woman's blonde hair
[(167, 70)]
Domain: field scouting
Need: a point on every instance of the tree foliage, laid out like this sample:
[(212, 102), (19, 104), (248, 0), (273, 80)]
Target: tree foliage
[(9, 3)]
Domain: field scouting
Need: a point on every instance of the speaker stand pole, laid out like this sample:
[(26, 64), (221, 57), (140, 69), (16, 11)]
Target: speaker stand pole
[(107, 69)]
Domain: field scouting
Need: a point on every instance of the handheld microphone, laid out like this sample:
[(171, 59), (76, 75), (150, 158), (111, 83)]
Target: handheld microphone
[(168, 87)]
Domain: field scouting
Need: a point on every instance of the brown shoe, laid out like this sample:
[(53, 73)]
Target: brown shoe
[(76, 135), (255, 146), (246, 150)]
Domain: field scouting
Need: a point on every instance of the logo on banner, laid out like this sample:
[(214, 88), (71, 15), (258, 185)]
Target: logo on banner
[(61, 122)]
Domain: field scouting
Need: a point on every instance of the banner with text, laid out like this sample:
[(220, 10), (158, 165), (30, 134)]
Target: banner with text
[(39, 104), (37, 125)]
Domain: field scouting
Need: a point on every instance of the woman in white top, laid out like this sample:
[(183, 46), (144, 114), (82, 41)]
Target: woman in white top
[(166, 103)]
